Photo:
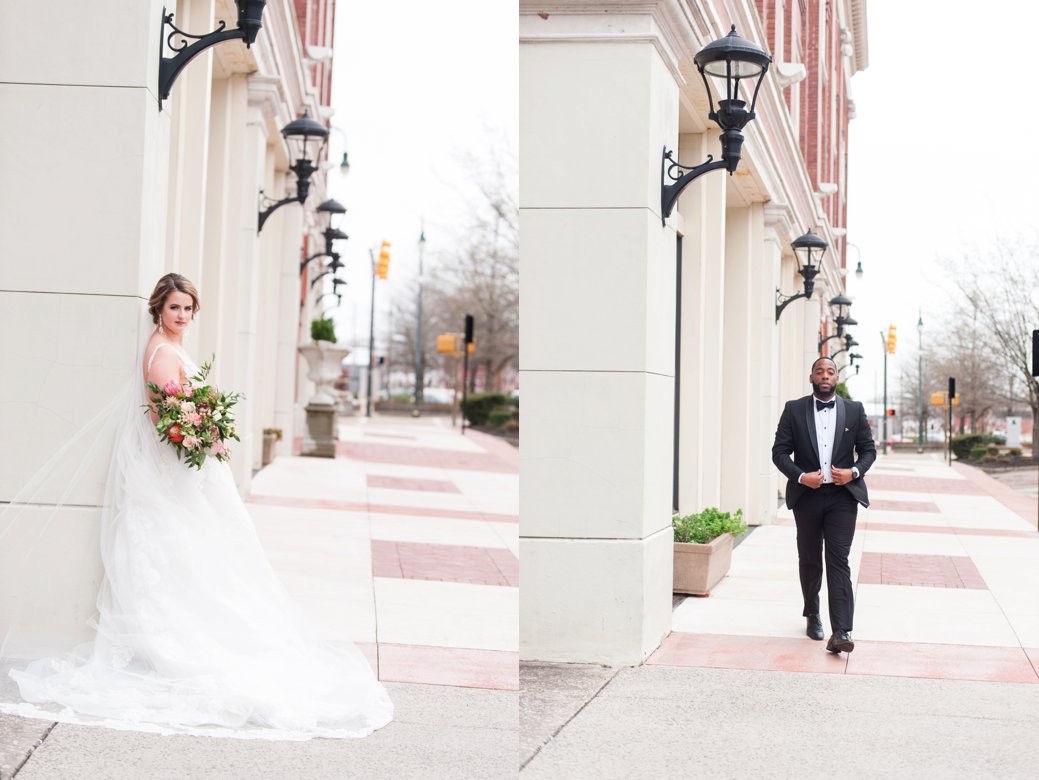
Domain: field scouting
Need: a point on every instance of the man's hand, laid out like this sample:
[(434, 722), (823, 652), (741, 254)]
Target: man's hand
[(842, 476), (812, 479)]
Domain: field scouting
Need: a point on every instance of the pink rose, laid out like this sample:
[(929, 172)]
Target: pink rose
[(191, 442), (188, 390), (194, 418), (218, 447), (171, 388)]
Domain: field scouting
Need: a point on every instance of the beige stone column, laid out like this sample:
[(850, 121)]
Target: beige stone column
[(702, 207), (189, 106), (597, 292), (82, 127)]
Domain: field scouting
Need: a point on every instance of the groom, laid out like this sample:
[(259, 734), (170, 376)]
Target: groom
[(833, 448)]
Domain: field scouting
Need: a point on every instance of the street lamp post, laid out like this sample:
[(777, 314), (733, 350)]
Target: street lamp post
[(883, 340), (418, 330), (920, 383)]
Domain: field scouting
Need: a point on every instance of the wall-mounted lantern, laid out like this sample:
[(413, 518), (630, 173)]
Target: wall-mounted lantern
[(307, 136), (808, 249), (728, 61), (250, 20), (330, 207), (841, 305)]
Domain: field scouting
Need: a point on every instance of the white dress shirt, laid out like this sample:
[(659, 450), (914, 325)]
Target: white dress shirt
[(825, 436), (825, 427)]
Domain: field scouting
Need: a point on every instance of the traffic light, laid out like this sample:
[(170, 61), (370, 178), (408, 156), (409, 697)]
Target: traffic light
[(891, 339), (890, 412), (382, 267)]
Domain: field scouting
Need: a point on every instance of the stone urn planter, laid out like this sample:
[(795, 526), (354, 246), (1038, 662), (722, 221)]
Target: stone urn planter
[(324, 363), (699, 567), (703, 549)]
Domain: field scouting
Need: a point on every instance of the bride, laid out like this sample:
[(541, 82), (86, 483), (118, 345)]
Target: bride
[(194, 632)]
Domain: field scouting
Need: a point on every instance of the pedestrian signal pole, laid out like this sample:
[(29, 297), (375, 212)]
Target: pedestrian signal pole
[(1035, 373), (888, 340), (952, 400), (469, 326)]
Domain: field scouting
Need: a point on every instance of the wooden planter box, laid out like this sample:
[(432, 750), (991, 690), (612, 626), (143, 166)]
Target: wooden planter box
[(699, 567)]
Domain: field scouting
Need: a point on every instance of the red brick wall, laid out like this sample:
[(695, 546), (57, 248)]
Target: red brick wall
[(316, 20)]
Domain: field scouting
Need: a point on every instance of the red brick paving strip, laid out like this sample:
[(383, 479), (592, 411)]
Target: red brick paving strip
[(942, 662), (929, 571), (444, 562), (430, 665), (412, 483), (766, 653), (460, 667), (887, 659), (423, 456), (387, 509)]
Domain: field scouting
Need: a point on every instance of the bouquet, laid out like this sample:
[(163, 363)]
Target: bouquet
[(195, 417)]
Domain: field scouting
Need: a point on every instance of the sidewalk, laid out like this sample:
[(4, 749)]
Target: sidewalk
[(406, 544), (942, 682)]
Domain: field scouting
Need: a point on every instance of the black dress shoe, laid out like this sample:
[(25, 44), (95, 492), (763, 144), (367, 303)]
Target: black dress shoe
[(815, 627), (840, 642)]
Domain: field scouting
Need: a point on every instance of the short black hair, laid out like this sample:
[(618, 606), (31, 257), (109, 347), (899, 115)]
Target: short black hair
[(824, 357)]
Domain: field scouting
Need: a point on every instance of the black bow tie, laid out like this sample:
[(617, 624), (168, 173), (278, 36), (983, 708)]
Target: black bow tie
[(820, 405)]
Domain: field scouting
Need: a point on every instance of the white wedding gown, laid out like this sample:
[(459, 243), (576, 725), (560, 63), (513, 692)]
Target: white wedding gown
[(195, 634)]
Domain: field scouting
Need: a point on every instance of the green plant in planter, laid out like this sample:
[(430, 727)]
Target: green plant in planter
[(705, 526), (276, 432), (323, 329)]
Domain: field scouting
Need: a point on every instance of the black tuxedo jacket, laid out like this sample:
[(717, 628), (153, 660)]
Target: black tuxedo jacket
[(852, 445)]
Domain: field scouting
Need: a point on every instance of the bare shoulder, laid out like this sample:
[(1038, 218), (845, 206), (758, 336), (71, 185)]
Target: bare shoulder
[(161, 365)]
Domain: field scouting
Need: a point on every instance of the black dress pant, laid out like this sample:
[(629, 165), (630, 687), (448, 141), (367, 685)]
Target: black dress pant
[(827, 514)]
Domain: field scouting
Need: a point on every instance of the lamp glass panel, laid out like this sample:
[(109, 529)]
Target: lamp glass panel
[(740, 69)]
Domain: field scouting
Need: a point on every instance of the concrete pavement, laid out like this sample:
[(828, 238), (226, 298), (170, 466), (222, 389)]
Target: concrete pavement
[(942, 682), (405, 544)]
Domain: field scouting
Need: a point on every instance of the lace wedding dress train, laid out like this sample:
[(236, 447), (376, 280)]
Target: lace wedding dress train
[(195, 634)]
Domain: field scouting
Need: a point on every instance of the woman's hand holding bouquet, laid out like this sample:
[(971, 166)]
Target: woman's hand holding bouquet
[(195, 417)]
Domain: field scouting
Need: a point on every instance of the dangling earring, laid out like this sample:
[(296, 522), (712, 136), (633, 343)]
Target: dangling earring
[(161, 331)]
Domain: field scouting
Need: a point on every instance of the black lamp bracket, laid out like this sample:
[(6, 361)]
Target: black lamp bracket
[(828, 339), (315, 256), (272, 206), (318, 278), (671, 171), (170, 67), (782, 301)]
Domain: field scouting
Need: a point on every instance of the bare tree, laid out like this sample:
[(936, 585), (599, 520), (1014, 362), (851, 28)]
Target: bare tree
[(998, 288), (477, 273)]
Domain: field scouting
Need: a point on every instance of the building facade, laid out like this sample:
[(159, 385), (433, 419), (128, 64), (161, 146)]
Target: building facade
[(652, 364), (145, 190)]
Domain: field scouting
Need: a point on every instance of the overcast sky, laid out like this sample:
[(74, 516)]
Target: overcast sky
[(943, 158), (416, 87)]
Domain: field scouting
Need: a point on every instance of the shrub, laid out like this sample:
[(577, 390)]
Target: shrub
[(478, 406), (323, 329), (707, 525), (988, 459), (499, 416), (977, 453), (511, 426), (842, 390), (1015, 452), (992, 449), (963, 444)]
